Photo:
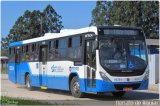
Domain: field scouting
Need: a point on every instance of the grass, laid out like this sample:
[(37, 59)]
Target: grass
[(17, 101), (11, 101)]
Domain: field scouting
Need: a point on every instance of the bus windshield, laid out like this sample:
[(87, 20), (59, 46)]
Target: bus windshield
[(123, 54)]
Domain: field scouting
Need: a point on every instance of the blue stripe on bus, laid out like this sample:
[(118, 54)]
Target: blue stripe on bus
[(16, 43), (58, 82), (21, 69), (62, 82)]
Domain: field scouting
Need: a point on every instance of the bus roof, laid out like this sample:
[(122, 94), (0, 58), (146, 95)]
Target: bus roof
[(63, 33), (67, 32)]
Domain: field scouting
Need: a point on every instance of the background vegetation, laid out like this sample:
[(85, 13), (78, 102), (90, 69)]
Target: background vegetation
[(143, 14), (33, 24)]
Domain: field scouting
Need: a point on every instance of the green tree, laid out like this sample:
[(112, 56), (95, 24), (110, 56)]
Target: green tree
[(52, 21), (101, 13), (4, 46), (143, 14), (33, 24), (4, 43)]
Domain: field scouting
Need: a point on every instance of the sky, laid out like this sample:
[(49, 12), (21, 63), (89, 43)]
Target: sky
[(75, 14)]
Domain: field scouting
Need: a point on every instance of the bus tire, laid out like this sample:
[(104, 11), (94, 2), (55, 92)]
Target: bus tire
[(119, 93), (28, 82), (75, 88)]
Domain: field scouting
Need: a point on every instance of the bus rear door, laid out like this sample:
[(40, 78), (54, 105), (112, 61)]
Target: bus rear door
[(17, 66), (43, 65)]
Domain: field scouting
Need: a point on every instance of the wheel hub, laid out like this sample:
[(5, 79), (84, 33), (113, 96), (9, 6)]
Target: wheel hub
[(76, 87), (28, 84)]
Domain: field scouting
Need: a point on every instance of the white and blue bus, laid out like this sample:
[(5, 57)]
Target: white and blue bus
[(88, 60)]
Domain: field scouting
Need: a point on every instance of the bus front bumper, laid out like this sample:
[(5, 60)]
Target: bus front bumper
[(104, 86)]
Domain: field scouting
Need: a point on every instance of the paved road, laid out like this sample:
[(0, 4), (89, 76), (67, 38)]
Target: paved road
[(60, 97)]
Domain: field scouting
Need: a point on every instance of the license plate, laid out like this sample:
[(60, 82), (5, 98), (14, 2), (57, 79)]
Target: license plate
[(127, 89)]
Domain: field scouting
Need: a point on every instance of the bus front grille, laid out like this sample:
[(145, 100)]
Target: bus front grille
[(123, 74)]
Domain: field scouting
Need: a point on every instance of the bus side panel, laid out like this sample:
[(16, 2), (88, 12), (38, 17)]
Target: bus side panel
[(57, 74), (83, 85), (12, 72), (58, 82), (23, 69), (18, 73), (28, 67), (33, 69), (35, 80)]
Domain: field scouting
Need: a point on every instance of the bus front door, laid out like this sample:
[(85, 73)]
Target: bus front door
[(43, 66), (90, 56)]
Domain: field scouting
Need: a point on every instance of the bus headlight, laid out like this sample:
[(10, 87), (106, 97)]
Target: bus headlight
[(104, 77), (146, 75)]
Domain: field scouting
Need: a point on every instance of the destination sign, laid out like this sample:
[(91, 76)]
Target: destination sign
[(121, 32)]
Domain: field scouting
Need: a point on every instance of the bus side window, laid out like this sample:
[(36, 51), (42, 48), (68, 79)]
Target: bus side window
[(23, 49), (75, 51), (69, 42), (9, 51), (35, 47), (14, 50), (56, 49), (11, 57), (51, 45), (80, 40), (56, 44), (27, 48), (31, 52), (51, 50), (62, 48), (32, 48), (27, 57), (36, 52), (17, 56)]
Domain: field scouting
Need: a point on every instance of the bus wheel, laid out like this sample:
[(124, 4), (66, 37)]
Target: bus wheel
[(118, 94), (75, 88), (28, 83)]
